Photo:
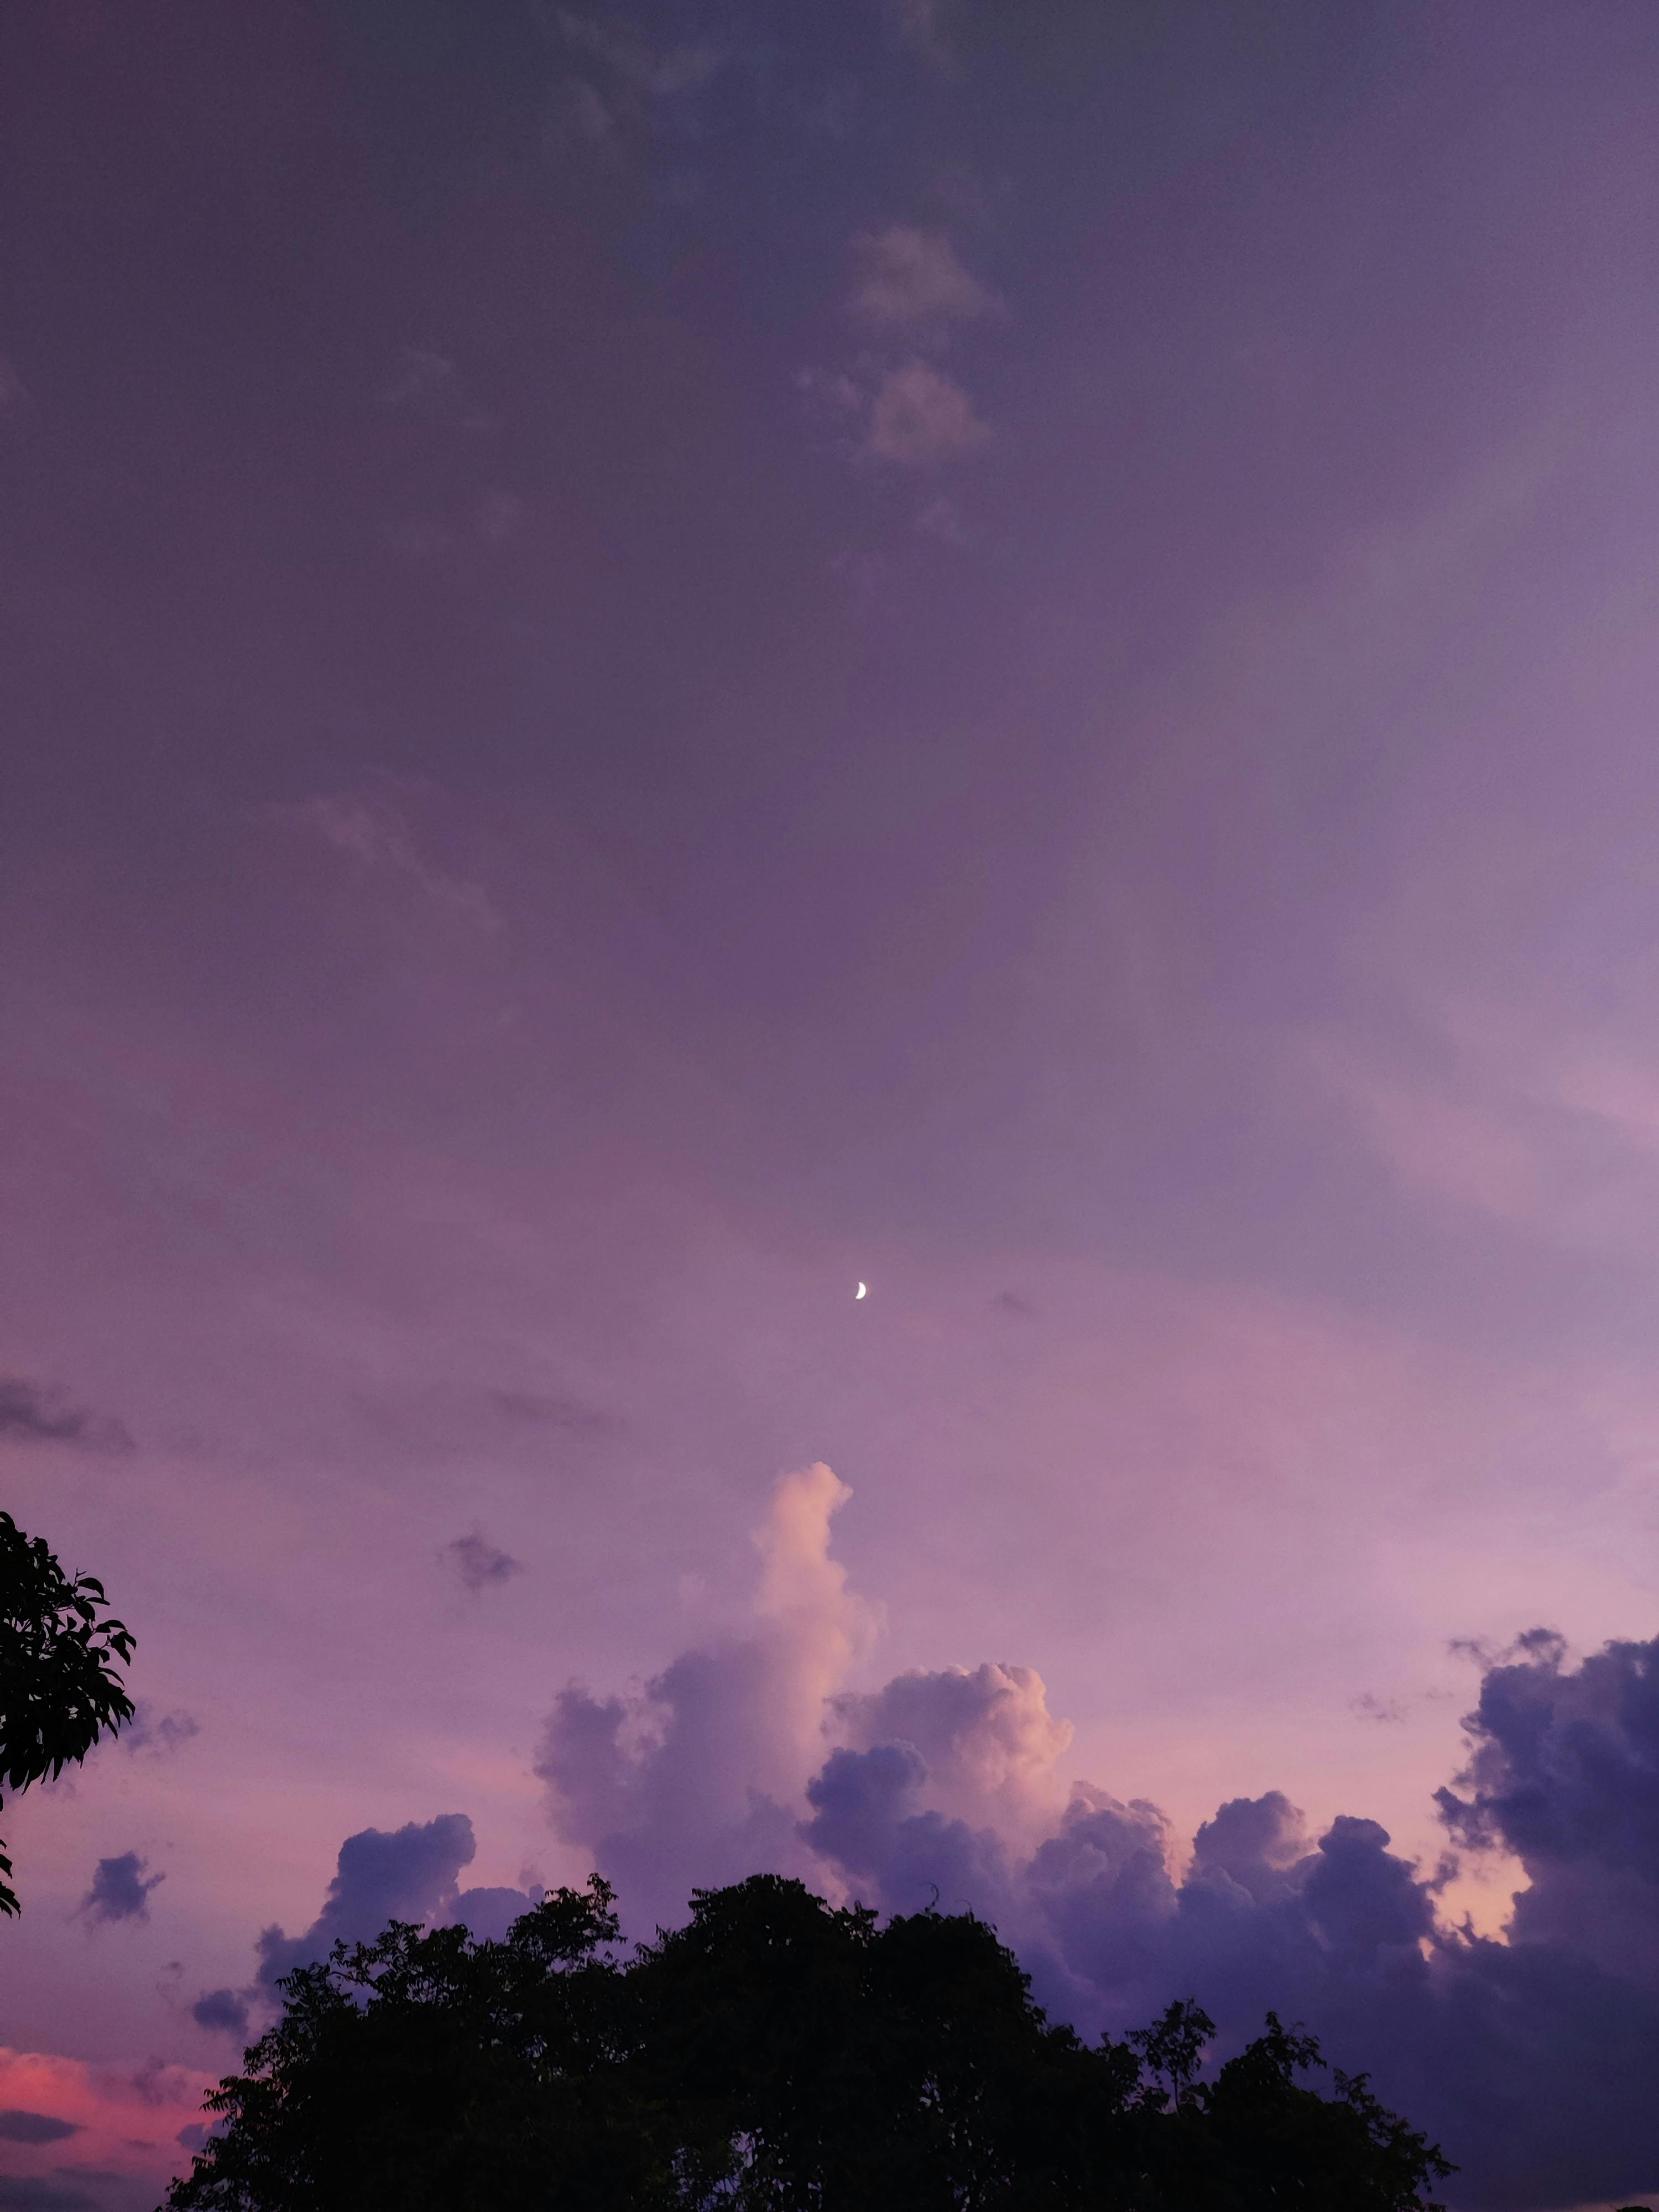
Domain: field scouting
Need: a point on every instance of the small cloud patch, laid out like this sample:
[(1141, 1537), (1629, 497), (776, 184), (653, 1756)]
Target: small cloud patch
[(35, 2128), (158, 1733), (120, 1890), (908, 278), (920, 418), (479, 1564), (221, 2011)]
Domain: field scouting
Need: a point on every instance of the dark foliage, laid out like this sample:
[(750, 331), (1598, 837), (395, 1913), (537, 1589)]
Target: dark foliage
[(59, 1690), (774, 2054)]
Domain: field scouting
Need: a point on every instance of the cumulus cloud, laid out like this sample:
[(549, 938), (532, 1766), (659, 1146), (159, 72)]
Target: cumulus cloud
[(909, 279), (1564, 1773), (987, 1737), (693, 1780), (1531, 2057), (31, 1414), (919, 418), (477, 1563), (404, 1874), (120, 1890)]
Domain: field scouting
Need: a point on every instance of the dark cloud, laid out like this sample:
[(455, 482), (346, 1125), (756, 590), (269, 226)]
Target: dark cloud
[(478, 1563), (31, 1414), (404, 1873), (20, 2127), (1564, 1773), (487, 1914), (119, 1890), (223, 2011), (20, 2193), (868, 1820), (1531, 2059)]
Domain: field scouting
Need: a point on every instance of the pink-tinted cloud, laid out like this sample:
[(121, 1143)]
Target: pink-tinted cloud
[(702, 1769), (132, 2129), (919, 418), (908, 279), (990, 1744)]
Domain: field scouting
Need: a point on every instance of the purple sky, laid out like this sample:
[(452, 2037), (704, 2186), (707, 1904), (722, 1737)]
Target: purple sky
[(657, 659)]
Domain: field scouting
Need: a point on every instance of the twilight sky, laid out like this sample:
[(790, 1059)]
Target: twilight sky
[(655, 659)]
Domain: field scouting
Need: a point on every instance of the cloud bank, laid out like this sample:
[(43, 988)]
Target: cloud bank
[(1530, 2057)]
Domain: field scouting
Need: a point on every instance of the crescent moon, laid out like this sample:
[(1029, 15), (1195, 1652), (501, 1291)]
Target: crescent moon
[(862, 1291)]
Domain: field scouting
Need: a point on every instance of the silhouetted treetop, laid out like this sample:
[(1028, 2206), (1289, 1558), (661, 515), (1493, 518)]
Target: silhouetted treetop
[(59, 1690), (774, 2053)]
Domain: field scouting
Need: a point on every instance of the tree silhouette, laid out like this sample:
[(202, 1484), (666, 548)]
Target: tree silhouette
[(59, 1690), (775, 2054)]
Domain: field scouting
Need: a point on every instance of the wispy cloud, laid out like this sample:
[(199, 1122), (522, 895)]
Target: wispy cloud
[(551, 1409), (158, 1733), (920, 26), (32, 1413), (632, 85), (656, 71), (375, 829)]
